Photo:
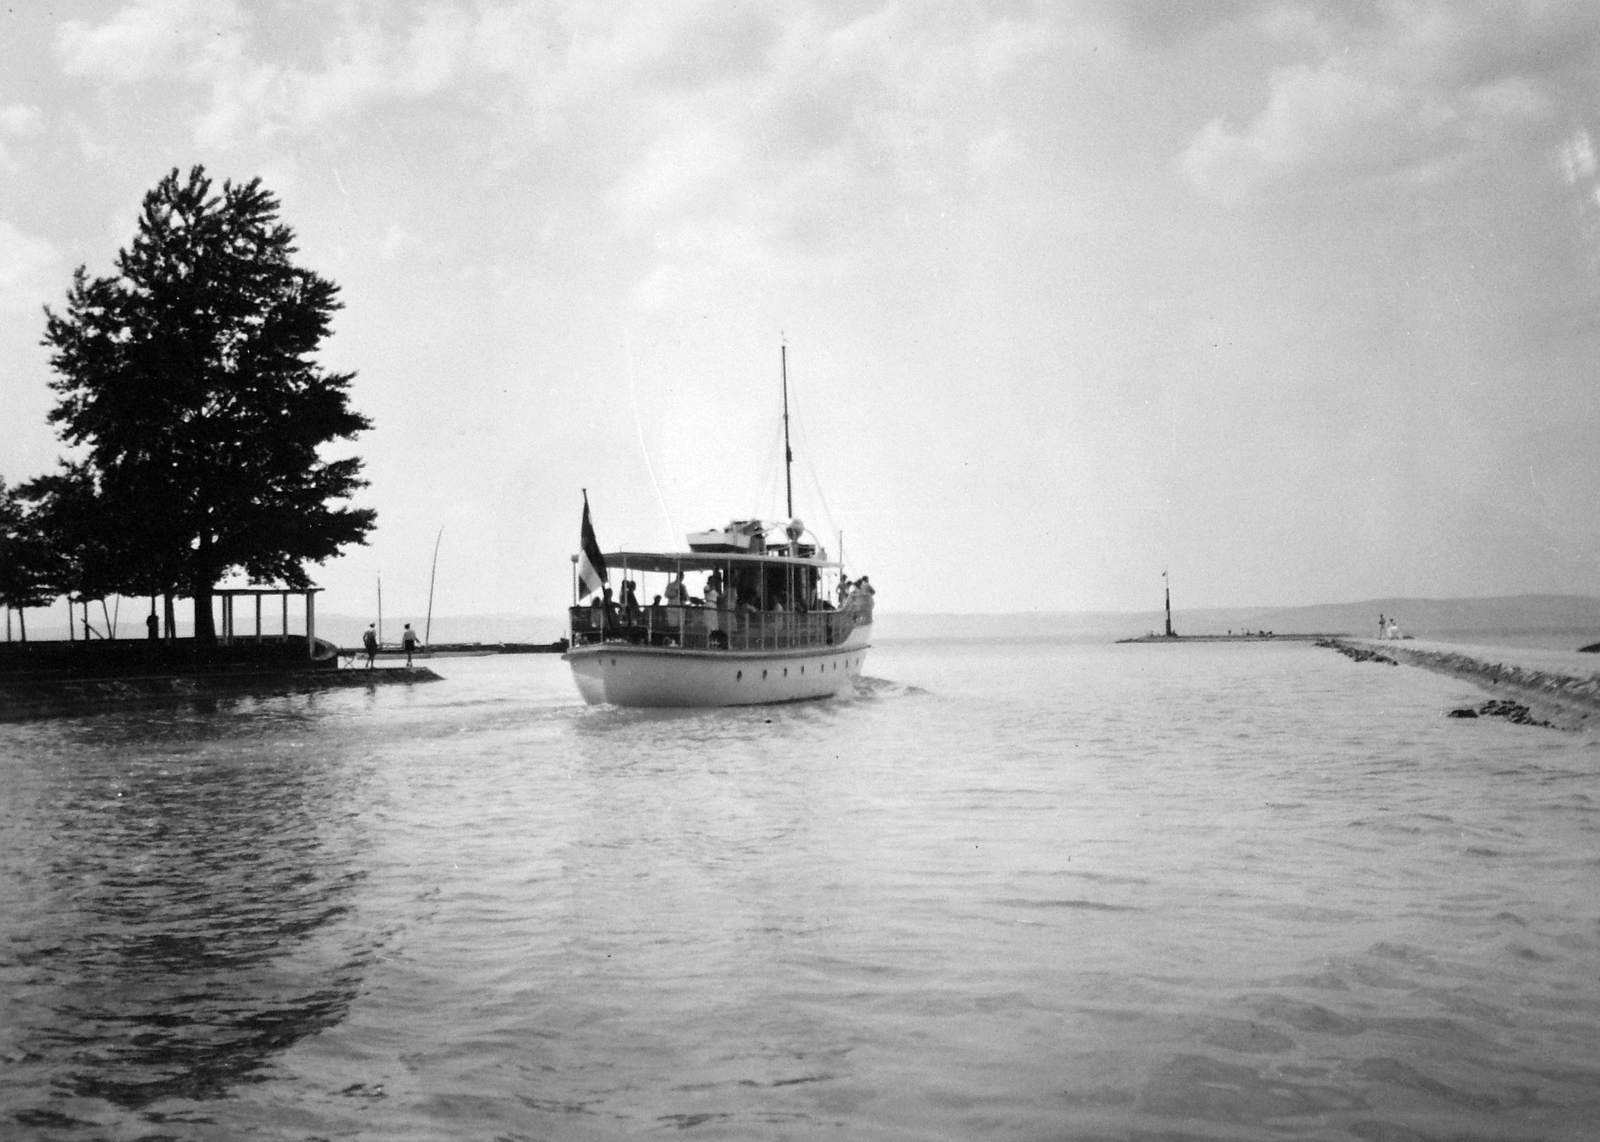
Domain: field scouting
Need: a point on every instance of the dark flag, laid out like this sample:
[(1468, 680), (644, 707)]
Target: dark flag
[(591, 564)]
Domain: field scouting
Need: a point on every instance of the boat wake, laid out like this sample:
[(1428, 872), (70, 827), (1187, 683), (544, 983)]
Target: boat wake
[(869, 687)]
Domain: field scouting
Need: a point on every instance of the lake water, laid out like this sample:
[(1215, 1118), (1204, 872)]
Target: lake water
[(1035, 891)]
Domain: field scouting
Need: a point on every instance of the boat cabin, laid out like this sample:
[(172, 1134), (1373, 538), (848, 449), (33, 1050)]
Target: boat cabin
[(731, 591)]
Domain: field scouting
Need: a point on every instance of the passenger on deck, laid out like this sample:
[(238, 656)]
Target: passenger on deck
[(658, 619), (712, 598), (630, 603), (677, 595)]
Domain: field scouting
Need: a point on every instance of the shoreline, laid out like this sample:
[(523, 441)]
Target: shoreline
[(25, 699), (1562, 687)]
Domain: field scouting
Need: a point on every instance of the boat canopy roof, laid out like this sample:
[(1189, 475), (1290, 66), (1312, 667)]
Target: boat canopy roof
[(674, 561)]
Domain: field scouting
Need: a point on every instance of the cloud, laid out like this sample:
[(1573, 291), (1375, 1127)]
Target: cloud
[(152, 39), (1407, 93), (18, 121), (398, 241), (24, 261), (256, 82), (786, 164)]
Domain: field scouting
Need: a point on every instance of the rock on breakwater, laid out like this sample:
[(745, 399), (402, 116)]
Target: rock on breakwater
[(1355, 652), (1562, 688)]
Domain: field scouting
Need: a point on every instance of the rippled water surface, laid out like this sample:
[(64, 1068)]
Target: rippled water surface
[(1027, 891)]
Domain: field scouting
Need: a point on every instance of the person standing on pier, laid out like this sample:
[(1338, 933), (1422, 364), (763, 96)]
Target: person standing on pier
[(369, 640), (408, 640)]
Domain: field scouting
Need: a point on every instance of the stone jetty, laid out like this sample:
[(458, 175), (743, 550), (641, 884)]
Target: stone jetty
[(24, 698), (1560, 687)]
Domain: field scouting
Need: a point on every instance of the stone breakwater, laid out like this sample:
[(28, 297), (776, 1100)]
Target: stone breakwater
[(1561, 686)]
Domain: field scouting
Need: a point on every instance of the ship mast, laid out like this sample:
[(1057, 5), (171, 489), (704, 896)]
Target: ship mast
[(788, 456), (1168, 584)]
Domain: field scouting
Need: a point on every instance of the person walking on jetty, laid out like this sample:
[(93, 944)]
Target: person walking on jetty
[(408, 640), (1380, 625), (369, 640)]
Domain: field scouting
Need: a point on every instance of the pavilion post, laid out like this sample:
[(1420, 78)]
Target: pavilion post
[(258, 618), (311, 624)]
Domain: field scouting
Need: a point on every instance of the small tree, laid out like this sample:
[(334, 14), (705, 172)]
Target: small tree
[(25, 564), (188, 377)]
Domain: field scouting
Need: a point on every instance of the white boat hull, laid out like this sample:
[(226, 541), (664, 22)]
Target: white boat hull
[(627, 675)]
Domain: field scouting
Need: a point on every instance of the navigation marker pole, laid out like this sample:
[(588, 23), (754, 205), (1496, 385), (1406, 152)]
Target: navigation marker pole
[(1168, 584)]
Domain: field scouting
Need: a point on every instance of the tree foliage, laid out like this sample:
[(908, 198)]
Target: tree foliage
[(26, 571), (187, 377)]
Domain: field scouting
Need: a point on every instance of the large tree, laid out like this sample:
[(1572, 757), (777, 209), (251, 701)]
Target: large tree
[(188, 378)]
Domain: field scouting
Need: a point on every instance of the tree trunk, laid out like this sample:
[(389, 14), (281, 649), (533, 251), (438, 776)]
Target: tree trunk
[(22, 622), (171, 616), (205, 631)]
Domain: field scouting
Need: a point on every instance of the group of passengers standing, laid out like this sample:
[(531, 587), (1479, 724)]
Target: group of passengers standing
[(718, 595)]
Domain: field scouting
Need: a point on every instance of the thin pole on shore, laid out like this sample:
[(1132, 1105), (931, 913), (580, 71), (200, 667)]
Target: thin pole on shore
[(380, 608), (427, 631)]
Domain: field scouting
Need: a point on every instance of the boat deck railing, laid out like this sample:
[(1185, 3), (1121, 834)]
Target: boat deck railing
[(710, 628)]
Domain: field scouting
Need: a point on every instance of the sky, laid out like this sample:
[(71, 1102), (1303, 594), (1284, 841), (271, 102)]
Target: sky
[(1296, 301)]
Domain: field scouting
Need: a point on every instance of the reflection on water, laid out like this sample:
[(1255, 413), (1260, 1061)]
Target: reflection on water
[(178, 909)]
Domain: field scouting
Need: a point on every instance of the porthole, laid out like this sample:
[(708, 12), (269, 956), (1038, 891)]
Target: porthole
[(786, 672), (802, 670), (613, 662), (763, 676), (739, 677)]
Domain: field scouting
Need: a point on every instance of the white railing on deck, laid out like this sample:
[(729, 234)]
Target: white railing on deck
[(709, 628)]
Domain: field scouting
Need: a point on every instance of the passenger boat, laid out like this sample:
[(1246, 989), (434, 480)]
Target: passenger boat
[(751, 613), (746, 626)]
